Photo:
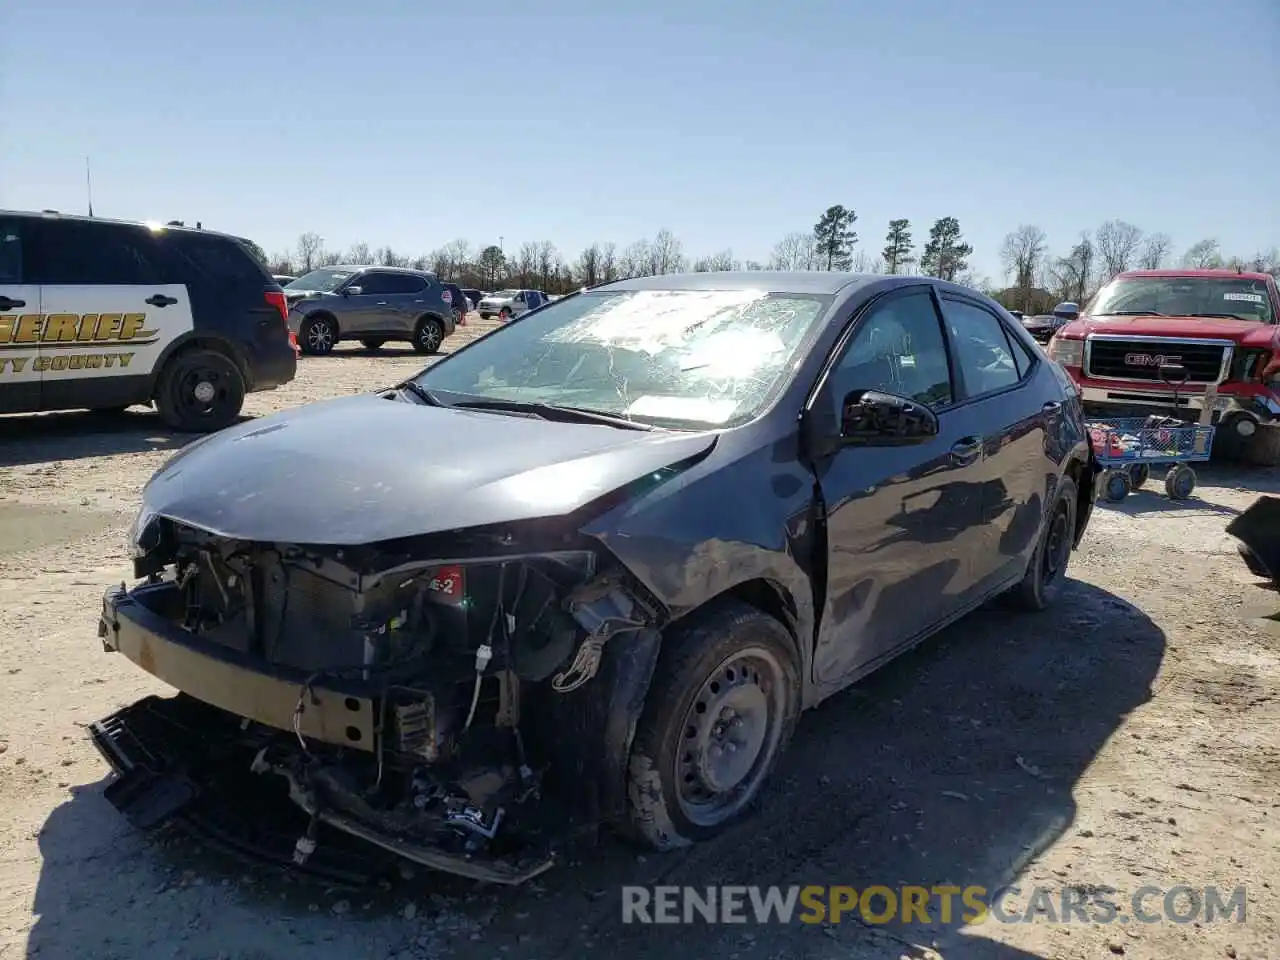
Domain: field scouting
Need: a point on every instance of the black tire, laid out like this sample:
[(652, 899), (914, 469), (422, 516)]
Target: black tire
[(1116, 485), (504, 314), (726, 681), (1048, 567), (319, 335), (485, 316), (199, 391), (372, 344), (1263, 448), (1139, 474), (1180, 482), (428, 336)]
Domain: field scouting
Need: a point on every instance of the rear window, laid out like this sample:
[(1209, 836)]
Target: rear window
[(83, 252), (213, 259)]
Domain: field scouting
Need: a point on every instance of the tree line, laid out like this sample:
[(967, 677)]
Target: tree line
[(1034, 275)]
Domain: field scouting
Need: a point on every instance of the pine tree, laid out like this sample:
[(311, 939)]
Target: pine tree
[(945, 254), (834, 237), (897, 250)]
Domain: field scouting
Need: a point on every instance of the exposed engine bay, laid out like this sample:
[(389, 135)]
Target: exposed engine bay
[(446, 709)]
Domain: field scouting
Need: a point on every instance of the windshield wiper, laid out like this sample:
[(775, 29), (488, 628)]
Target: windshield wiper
[(1133, 313), (553, 411), (421, 392), (1221, 316)]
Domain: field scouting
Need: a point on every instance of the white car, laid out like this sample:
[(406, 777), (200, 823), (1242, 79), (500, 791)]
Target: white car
[(509, 304)]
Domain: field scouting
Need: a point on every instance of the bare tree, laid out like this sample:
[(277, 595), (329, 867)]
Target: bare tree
[(1266, 261), (1117, 244), (717, 261), (795, 251), (548, 263), (525, 266), (1203, 255), (587, 269), (608, 262), (310, 251), (862, 261), (1155, 251), (1023, 254), (666, 254), (281, 264), (636, 260), (1072, 274)]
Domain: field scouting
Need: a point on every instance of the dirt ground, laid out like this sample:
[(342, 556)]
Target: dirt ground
[(1130, 737)]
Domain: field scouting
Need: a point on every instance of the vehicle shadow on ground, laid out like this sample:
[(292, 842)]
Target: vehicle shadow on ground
[(1151, 498), (953, 765), (78, 435)]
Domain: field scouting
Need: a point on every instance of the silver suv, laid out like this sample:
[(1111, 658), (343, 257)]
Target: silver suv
[(369, 304)]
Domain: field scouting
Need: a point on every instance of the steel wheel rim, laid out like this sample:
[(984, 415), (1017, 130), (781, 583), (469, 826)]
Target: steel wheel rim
[(1056, 546), (729, 736), (202, 391), (430, 336), (319, 336)]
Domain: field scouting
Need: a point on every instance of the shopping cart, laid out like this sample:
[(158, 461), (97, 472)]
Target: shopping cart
[(1128, 448)]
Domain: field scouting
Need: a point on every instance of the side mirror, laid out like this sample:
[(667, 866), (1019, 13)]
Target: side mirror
[(873, 419), (1067, 311), (353, 291)]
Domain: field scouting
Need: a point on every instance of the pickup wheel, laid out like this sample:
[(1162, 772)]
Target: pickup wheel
[(1048, 567), (719, 713)]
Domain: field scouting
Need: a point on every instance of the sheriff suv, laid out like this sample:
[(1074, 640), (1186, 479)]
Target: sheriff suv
[(105, 314), (1194, 342), (369, 304)]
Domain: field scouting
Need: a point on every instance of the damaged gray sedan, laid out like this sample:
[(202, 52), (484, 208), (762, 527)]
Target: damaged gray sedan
[(587, 569)]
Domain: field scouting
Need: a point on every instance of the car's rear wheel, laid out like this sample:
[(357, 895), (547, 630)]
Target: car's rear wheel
[(200, 391), (319, 336), (428, 336), (1047, 570), (372, 344), (721, 709)]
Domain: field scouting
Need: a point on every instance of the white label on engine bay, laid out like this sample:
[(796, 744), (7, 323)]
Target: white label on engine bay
[(1246, 297), (704, 409)]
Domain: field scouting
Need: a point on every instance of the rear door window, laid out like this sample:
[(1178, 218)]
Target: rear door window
[(10, 251), (984, 356), (213, 259), (85, 252), (403, 283)]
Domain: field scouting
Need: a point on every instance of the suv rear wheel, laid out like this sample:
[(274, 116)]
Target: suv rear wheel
[(199, 391), (319, 336), (428, 336)]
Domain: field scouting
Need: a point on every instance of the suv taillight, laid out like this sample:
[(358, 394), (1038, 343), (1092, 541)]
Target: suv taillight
[(277, 299)]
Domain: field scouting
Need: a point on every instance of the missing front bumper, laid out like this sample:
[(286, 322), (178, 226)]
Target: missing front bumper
[(180, 760)]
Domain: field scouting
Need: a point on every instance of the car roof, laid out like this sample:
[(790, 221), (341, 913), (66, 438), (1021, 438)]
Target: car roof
[(148, 224), (773, 281), (375, 266), (1219, 272)]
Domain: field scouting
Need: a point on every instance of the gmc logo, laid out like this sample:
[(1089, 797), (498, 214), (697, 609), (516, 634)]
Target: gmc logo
[(1149, 360)]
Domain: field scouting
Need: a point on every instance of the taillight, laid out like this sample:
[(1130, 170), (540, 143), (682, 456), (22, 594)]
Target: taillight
[(276, 298)]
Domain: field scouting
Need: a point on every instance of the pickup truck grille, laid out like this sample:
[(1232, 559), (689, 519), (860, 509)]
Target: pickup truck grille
[(1141, 359)]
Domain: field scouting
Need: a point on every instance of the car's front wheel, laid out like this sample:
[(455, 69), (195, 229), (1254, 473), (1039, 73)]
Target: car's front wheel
[(1048, 567), (721, 709), (428, 336)]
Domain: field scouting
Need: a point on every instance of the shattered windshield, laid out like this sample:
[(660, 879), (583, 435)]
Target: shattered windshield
[(668, 357), (1239, 298)]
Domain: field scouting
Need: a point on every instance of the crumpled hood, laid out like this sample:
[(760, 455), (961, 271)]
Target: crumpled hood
[(364, 469), (1256, 334)]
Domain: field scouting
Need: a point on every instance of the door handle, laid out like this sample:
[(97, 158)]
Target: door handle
[(160, 300), (964, 452), (1053, 406), (381, 303), (7, 304)]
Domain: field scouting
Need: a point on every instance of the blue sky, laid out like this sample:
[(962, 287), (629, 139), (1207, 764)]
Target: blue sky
[(413, 123)]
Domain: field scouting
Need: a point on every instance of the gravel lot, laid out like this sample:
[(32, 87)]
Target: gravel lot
[(1128, 738)]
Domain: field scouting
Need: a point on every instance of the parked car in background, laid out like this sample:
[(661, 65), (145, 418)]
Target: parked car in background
[(635, 557), (509, 304), (369, 304), (283, 278), (103, 314), (1043, 326), (1178, 342), (475, 296), (458, 301)]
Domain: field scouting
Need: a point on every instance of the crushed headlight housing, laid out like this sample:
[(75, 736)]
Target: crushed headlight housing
[(1069, 353)]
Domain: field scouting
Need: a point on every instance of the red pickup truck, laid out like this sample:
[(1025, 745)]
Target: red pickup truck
[(1160, 341)]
